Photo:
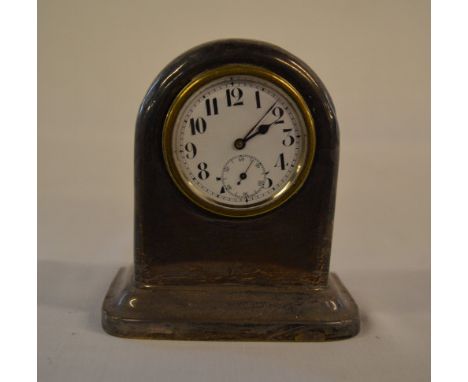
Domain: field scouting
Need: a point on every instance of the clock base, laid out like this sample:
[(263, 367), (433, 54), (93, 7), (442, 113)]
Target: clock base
[(229, 312)]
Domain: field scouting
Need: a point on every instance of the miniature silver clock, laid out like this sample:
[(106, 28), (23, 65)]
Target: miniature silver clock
[(236, 164)]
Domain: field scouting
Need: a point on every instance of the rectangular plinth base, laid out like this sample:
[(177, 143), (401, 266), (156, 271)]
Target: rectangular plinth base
[(229, 312)]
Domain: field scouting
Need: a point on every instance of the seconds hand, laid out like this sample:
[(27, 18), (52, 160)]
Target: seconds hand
[(243, 175), (240, 142)]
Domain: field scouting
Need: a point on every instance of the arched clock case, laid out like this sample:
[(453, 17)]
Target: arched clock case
[(236, 160)]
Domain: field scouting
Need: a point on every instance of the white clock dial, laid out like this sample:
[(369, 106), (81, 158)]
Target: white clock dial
[(239, 142)]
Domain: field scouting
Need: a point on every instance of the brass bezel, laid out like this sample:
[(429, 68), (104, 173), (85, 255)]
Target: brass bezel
[(190, 191)]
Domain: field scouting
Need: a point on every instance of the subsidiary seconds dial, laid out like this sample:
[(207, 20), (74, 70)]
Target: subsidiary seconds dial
[(239, 144), (243, 177)]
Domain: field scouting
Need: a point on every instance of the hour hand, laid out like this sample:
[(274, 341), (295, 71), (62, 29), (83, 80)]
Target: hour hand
[(261, 129)]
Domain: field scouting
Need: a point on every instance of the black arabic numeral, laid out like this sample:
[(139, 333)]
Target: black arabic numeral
[(211, 105), (280, 162), (234, 97), (268, 182), (278, 113), (197, 125), (289, 140), (257, 99), (203, 174), (191, 150)]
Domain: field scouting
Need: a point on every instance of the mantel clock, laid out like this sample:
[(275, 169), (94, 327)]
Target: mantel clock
[(236, 159)]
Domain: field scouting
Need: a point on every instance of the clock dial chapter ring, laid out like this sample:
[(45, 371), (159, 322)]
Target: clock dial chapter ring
[(284, 126)]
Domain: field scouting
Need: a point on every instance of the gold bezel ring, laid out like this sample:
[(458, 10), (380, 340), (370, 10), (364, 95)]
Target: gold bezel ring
[(212, 205)]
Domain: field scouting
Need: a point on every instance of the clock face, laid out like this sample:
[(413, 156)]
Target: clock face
[(238, 143)]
